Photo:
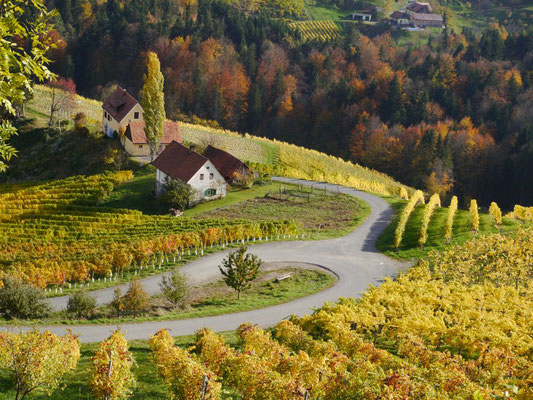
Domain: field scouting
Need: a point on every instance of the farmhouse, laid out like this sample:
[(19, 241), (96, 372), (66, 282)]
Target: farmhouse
[(135, 143), (182, 164), (400, 18), (120, 109), (419, 8), (424, 20), (361, 16), (230, 167)]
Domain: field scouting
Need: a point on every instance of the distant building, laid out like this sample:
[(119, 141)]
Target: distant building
[(361, 16), (427, 20), (419, 8), (120, 109), (182, 164), (229, 166), (135, 143), (400, 18)]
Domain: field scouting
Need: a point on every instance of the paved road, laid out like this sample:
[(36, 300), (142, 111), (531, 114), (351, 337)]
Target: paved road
[(353, 258)]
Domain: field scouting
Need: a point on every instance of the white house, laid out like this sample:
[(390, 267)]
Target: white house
[(120, 109), (181, 163)]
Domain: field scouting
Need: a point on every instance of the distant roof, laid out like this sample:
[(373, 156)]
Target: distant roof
[(419, 6), (224, 162), (135, 132), (427, 17), (399, 14), (179, 162), (119, 104)]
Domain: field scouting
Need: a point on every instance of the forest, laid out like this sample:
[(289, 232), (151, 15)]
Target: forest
[(452, 116)]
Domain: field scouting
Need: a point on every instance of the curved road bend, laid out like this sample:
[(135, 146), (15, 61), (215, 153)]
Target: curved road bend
[(353, 258)]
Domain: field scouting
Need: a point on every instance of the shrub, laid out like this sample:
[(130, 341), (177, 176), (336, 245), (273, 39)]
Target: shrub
[(136, 299), (177, 195), (174, 287), (118, 302), (21, 300), (81, 305)]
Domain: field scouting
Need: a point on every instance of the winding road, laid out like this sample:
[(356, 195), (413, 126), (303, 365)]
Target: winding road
[(353, 258)]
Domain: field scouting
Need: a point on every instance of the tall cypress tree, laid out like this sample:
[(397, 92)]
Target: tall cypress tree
[(153, 103)]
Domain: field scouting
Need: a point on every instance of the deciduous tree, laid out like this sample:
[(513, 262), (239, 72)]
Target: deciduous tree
[(153, 103)]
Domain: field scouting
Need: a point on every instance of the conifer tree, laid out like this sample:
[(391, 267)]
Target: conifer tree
[(153, 103), (240, 269)]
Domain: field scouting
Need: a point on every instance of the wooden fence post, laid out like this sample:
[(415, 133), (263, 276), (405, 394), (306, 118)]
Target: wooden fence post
[(204, 388)]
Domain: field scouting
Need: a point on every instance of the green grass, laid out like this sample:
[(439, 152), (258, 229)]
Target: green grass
[(462, 231), (137, 194), (322, 12), (216, 299), (149, 384)]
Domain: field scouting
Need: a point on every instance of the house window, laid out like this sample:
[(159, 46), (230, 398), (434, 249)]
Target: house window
[(211, 176), (136, 115), (105, 115), (140, 146), (201, 177), (210, 192)]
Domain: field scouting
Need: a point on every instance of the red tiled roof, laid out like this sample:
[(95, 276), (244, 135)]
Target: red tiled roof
[(224, 162), (179, 162), (135, 133), (119, 104)]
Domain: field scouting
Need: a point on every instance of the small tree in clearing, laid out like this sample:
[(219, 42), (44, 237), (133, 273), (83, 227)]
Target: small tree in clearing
[(136, 300), (112, 378), (174, 287), (37, 361), (240, 269)]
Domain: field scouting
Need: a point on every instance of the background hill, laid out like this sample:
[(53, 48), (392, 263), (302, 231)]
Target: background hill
[(444, 110)]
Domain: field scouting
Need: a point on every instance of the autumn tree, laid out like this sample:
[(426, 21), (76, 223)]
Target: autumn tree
[(153, 103), (23, 51), (240, 269), (112, 378), (62, 101), (37, 362)]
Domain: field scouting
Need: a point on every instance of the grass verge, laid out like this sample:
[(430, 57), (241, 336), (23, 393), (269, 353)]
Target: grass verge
[(216, 299)]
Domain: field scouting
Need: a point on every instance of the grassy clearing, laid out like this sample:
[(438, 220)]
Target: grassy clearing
[(462, 231), (319, 11), (216, 299), (149, 384), (336, 214)]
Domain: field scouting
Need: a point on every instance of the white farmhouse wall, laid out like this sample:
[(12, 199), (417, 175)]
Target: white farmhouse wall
[(110, 125), (200, 186)]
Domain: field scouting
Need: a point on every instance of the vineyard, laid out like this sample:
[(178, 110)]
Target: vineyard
[(406, 338), (54, 233), (323, 31)]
